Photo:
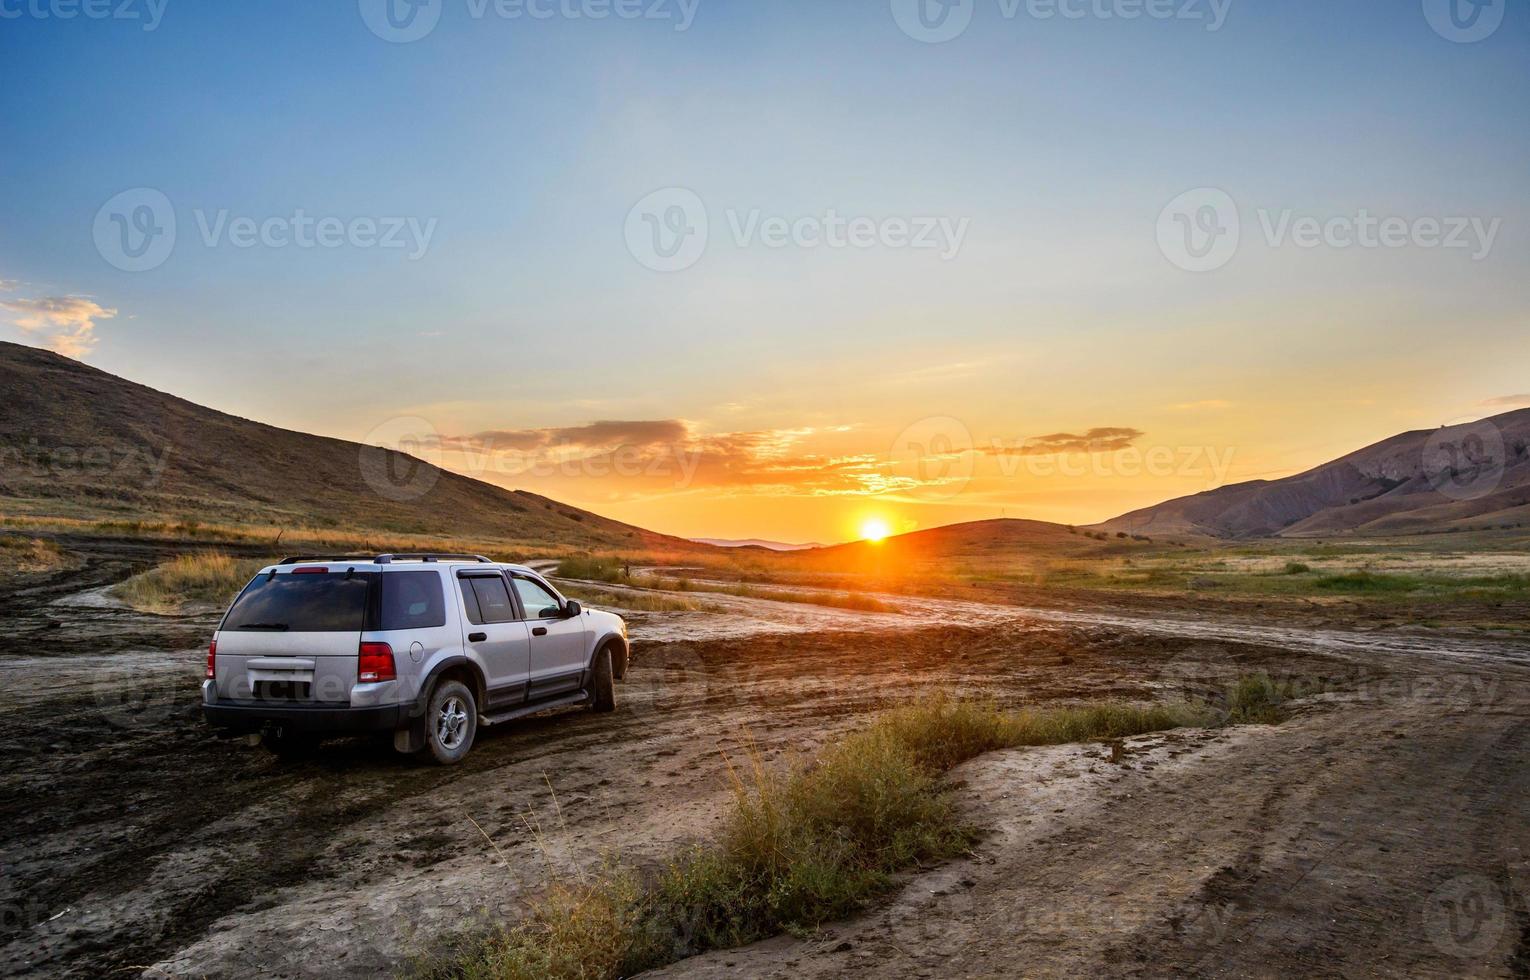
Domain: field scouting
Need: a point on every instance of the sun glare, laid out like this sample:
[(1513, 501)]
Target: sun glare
[(874, 529)]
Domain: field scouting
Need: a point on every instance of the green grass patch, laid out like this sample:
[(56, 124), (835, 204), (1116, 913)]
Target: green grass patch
[(801, 847), (1367, 582)]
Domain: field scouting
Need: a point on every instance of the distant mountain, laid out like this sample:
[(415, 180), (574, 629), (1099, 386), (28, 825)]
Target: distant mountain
[(755, 543), (76, 441), (1466, 477)]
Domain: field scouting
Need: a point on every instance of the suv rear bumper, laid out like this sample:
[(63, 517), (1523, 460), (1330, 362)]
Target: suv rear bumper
[(247, 717)]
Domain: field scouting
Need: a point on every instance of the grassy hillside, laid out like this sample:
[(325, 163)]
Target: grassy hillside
[(83, 444), (1473, 477)]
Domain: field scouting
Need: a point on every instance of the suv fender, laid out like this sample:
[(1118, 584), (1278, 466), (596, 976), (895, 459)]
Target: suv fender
[(620, 654), (448, 662), (410, 736)]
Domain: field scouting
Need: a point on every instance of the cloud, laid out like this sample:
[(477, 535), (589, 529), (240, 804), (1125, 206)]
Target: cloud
[(941, 372), (66, 324), (8, 285), (1104, 439), (1208, 405), (607, 434), (1508, 401), (668, 455)]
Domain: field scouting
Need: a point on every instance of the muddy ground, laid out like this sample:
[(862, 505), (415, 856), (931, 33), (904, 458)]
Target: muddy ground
[(1382, 831)]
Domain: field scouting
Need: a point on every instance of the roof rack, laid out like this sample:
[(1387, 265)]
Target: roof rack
[(298, 559), (387, 559), (432, 556)]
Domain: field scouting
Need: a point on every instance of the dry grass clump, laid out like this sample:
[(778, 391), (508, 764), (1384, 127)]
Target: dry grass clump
[(28, 556), (204, 577), (799, 848)]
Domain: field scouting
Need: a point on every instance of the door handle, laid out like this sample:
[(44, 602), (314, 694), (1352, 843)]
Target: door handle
[(477, 637), (539, 631)]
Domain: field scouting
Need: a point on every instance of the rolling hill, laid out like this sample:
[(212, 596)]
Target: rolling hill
[(1465, 477), (939, 550), (1472, 477), (79, 442)]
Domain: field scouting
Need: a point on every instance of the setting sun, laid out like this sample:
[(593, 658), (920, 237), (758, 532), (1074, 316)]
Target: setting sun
[(874, 529)]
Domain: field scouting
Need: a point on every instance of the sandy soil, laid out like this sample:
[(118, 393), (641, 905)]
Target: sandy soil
[(1380, 832)]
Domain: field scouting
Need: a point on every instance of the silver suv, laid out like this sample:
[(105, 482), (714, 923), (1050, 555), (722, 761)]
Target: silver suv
[(428, 647)]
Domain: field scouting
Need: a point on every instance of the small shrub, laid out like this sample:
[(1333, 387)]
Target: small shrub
[(1258, 700), (1297, 568)]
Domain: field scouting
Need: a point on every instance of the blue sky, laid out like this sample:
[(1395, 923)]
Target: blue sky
[(524, 144)]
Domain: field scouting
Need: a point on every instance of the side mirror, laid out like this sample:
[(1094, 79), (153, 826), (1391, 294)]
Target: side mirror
[(572, 609)]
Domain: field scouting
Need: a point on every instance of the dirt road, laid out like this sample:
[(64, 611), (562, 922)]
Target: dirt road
[(1347, 839)]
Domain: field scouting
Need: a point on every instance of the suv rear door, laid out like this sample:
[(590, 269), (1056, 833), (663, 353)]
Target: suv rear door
[(495, 634), (293, 635)]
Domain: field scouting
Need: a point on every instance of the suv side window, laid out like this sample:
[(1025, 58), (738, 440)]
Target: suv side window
[(470, 602), (494, 605), (539, 603), (412, 601)]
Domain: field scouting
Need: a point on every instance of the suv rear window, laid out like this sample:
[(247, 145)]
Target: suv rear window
[(412, 601), (302, 603)]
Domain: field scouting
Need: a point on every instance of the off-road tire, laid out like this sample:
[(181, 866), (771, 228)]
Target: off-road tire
[(602, 684), (451, 723)]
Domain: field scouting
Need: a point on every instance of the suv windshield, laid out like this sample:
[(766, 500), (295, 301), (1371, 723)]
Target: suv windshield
[(307, 603)]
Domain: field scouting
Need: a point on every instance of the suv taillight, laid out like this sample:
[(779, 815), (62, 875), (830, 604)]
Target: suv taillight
[(212, 659), (374, 662)]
